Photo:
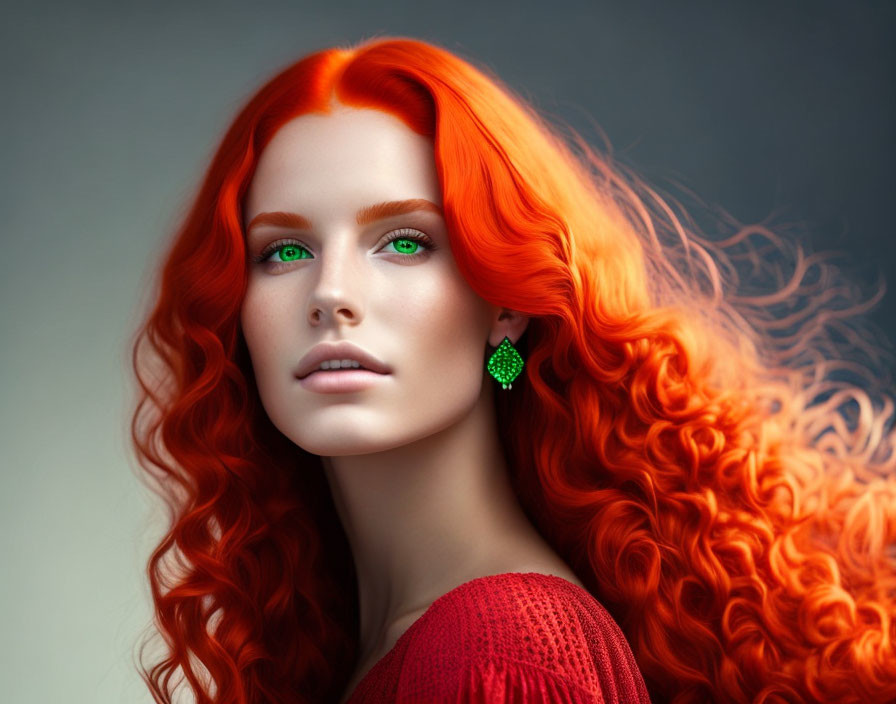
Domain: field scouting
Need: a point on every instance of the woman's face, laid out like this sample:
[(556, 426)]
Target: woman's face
[(330, 273)]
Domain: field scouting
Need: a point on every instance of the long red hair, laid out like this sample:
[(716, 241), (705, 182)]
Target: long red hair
[(694, 458)]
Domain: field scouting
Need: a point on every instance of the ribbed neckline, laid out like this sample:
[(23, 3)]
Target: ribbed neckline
[(383, 661)]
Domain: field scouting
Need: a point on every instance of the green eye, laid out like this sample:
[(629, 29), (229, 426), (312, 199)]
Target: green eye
[(288, 251), (291, 252), (410, 242), (405, 245)]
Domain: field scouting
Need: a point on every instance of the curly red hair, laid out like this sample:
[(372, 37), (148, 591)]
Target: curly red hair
[(695, 459)]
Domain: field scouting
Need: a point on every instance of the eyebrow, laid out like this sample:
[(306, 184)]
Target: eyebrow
[(365, 215)]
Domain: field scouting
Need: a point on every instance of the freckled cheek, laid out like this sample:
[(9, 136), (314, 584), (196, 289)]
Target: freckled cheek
[(264, 326)]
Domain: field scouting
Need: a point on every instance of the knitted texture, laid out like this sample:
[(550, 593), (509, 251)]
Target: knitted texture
[(513, 637)]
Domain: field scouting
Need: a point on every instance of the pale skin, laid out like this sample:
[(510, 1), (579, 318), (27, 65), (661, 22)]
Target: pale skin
[(414, 462)]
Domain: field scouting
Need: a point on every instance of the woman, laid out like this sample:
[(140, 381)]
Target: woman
[(407, 530)]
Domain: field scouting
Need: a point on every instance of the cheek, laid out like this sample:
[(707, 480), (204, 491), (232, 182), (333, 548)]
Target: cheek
[(260, 322), (447, 323)]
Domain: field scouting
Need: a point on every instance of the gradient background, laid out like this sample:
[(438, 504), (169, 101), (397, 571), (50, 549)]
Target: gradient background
[(111, 114)]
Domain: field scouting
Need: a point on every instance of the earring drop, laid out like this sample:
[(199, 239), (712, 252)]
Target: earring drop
[(505, 364)]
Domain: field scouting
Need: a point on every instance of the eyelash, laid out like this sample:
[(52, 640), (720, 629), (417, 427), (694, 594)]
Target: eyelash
[(402, 234)]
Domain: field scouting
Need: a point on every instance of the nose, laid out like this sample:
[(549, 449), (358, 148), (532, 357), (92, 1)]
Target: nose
[(335, 299)]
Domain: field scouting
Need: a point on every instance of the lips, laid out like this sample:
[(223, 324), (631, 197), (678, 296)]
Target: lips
[(343, 349), (342, 381), (338, 369)]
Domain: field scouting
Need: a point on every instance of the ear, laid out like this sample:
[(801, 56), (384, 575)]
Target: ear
[(507, 323)]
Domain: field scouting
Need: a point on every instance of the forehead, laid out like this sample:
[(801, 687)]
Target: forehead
[(351, 157)]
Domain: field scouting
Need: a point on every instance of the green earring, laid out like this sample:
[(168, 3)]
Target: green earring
[(505, 364)]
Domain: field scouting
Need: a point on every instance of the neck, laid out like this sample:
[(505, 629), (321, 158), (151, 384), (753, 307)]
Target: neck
[(424, 517)]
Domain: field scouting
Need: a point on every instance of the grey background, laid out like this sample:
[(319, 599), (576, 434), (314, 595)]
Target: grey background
[(111, 113)]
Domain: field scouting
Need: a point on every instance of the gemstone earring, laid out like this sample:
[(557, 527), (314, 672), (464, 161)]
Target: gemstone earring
[(505, 364)]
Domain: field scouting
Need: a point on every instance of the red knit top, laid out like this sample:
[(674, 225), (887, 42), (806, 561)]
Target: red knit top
[(514, 637)]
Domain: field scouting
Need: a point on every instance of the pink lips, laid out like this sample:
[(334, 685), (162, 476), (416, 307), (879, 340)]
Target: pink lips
[(344, 380), (340, 381), (342, 349)]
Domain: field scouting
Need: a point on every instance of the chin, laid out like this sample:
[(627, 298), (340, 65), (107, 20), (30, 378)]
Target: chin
[(345, 445), (351, 444), (344, 450)]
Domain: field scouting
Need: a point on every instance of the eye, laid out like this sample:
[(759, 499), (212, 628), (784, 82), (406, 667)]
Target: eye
[(408, 242), (287, 250)]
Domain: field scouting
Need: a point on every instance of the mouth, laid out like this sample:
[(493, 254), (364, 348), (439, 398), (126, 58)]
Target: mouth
[(342, 370), (335, 381), (335, 356), (338, 371)]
